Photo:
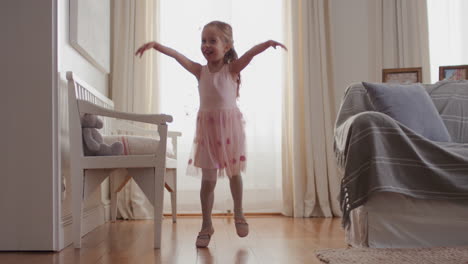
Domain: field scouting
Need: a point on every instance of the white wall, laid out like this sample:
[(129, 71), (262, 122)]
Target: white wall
[(367, 36), (356, 44), (70, 60), (27, 211)]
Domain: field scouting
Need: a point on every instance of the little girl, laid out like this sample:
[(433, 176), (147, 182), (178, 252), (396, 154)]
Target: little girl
[(219, 145)]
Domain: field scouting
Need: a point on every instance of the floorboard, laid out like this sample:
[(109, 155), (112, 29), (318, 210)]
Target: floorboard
[(272, 239)]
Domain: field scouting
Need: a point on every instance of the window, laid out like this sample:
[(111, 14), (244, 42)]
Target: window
[(181, 24), (448, 34)]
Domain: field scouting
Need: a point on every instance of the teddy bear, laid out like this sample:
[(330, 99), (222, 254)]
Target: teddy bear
[(93, 144)]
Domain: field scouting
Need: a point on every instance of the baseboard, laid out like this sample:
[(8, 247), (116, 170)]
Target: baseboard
[(229, 214), (92, 218)]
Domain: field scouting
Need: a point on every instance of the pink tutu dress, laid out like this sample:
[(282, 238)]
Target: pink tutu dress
[(219, 138)]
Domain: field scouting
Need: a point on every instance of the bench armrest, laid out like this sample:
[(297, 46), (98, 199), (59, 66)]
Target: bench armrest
[(90, 108)]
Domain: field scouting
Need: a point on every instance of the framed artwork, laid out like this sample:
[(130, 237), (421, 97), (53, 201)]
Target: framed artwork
[(402, 75), (90, 31), (459, 72)]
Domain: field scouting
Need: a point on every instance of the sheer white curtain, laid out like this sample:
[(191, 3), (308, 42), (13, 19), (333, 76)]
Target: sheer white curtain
[(133, 79), (311, 183), (181, 23), (448, 34), (133, 82)]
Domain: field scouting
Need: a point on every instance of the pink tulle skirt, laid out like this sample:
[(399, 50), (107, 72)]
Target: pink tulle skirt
[(219, 143)]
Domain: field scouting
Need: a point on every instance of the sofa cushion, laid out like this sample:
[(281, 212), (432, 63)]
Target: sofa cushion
[(411, 105)]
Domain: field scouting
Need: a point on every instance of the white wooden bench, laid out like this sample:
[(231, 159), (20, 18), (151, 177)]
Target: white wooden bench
[(88, 172)]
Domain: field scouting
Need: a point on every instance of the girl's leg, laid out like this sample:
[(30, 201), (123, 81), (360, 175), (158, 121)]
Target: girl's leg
[(235, 182), (207, 199), (208, 184)]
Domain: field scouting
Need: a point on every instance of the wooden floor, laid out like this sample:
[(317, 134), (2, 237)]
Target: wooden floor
[(272, 239)]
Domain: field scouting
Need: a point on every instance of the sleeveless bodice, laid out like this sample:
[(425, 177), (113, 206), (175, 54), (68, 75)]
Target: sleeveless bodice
[(217, 90)]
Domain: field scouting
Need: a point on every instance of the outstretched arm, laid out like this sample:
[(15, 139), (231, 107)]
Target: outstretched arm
[(193, 67), (238, 65)]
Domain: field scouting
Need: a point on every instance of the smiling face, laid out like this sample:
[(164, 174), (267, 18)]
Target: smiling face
[(213, 46)]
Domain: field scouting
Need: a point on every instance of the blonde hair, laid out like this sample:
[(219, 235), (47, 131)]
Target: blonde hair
[(231, 54)]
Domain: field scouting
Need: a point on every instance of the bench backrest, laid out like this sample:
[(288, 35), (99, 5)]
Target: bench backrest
[(79, 89)]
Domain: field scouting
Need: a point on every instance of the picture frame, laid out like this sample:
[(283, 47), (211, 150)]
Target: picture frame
[(454, 72), (90, 31), (402, 75)]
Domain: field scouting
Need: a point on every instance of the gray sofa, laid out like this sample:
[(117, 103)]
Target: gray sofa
[(400, 189)]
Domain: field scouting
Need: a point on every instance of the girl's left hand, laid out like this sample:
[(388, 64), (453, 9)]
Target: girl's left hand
[(274, 44)]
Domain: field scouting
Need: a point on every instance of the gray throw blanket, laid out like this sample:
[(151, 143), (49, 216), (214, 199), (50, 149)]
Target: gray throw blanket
[(378, 154)]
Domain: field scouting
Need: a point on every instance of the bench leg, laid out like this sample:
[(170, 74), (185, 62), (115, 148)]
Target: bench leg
[(114, 196), (158, 205), (174, 205)]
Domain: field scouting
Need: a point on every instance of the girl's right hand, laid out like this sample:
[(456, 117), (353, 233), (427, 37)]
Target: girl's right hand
[(145, 47)]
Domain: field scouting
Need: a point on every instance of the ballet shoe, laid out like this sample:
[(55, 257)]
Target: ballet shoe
[(204, 237), (242, 228)]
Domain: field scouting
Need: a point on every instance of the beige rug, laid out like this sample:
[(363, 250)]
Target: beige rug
[(453, 255)]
